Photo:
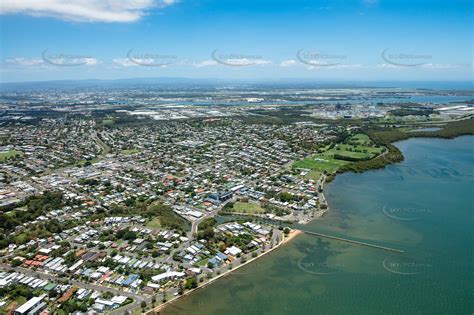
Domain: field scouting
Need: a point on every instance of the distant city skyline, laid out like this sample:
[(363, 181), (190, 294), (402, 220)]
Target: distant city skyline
[(357, 40)]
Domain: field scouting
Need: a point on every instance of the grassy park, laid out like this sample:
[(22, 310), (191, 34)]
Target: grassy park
[(108, 122), (320, 162), (359, 147)]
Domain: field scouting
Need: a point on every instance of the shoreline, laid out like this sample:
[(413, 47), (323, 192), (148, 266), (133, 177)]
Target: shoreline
[(329, 178), (293, 233), (389, 137)]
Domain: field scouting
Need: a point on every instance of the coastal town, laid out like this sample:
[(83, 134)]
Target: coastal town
[(238, 157), (122, 211)]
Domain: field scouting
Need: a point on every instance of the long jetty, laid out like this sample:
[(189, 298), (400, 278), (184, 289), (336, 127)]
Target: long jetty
[(354, 242)]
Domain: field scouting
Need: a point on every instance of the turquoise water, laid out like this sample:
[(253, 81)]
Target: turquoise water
[(423, 206)]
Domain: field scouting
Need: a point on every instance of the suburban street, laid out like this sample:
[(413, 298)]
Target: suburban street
[(137, 299)]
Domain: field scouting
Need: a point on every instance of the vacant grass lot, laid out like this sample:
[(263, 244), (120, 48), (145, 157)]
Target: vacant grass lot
[(8, 154), (247, 207), (314, 175), (154, 223)]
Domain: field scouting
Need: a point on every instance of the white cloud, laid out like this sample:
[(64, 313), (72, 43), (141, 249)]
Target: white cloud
[(257, 62), (288, 63), (90, 61), (387, 66), (319, 65), (205, 63), (145, 62), (84, 61), (169, 2), (125, 62), (324, 67), (237, 62), (434, 66), (21, 62), (84, 10), (24, 62), (426, 66), (244, 62), (69, 60)]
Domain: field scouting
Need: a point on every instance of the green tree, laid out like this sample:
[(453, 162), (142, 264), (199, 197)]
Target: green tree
[(191, 283)]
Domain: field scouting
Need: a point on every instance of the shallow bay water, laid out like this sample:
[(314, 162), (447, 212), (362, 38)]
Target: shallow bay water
[(423, 206)]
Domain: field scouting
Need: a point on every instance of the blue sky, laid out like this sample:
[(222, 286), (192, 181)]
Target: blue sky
[(337, 40)]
